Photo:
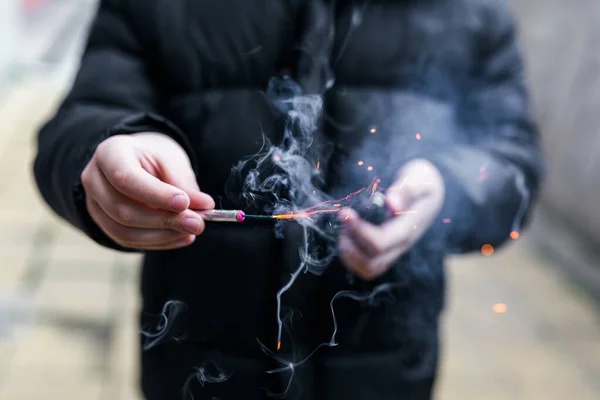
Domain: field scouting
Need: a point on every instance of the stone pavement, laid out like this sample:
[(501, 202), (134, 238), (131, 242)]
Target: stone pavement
[(515, 329)]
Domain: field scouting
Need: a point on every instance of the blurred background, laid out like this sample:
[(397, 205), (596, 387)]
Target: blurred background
[(522, 323)]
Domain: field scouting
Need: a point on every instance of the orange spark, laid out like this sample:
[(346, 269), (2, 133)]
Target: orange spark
[(320, 208), (487, 250), (514, 235), (278, 345), (369, 168), (373, 130), (406, 212), (361, 163), (317, 206), (418, 136), (277, 158), (375, 184), (318, 165), (500, 308)]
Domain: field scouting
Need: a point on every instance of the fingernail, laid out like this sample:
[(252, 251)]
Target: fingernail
[(180, 202), (192, 225), (208, 200)]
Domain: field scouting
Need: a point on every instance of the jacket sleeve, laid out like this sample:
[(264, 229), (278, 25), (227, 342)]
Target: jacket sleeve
[(112, 94), (493, 170)]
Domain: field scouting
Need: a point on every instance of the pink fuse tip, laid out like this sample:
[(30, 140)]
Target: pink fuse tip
[(241, 216)]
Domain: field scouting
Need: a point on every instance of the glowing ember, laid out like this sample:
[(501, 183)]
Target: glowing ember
[(446, 220), (373, 130), (278, 345), (406, 212), (487, 250), (375, 184), (277, 158), (337, 205), (318, 165), (500, 308), (361, 163), (369, 168), (514, 235), (418, 136)]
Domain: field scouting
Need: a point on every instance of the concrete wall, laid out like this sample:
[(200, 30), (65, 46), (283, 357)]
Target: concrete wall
[(10, 34), (561, 41)]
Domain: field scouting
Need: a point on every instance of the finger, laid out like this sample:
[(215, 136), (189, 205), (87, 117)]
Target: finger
[(378, 266), (179, 173), (131, 237), (130, 179), (403, 193), (132, 214), (350, 254), (363, 267), (177, 244), (367, 236), (200, 201), (404, 230)]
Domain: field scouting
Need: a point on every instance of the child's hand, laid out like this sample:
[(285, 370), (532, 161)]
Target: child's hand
[(416, 198), (140, 190)]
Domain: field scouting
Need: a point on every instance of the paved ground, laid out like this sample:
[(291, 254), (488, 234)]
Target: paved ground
[(515, 328)]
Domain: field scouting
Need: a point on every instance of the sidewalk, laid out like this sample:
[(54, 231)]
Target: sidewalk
[(514, 328)]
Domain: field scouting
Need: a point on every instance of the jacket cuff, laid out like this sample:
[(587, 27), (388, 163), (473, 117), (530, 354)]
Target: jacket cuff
[(142, 122)]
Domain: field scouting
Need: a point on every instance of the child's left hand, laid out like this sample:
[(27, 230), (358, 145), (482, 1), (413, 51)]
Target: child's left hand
[(416, 198)]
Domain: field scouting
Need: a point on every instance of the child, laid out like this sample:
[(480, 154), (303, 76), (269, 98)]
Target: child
[(424, 98)]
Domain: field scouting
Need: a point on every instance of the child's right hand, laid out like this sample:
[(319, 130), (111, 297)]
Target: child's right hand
[(141, 189)]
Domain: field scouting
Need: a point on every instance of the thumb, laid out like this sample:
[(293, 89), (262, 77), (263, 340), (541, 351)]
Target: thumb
[(181, 175), (408, 187), (397, 196)]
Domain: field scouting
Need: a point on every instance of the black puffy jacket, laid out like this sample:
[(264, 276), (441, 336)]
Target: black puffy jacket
[(199, 71)]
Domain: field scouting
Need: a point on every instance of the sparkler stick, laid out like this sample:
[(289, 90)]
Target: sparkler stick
[(224, 215)]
